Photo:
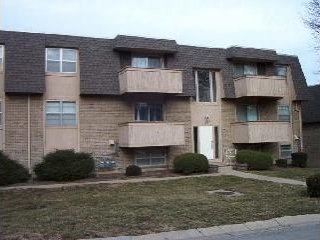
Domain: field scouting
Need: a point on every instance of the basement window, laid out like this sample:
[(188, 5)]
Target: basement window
[(62, 60), (285, 151), (145, 158), (61, 113)]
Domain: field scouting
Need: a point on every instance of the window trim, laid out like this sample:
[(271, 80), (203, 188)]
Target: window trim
[(196, 78), (149, 157), (61, 60), (61, 113), (278, 113), (281, 151)]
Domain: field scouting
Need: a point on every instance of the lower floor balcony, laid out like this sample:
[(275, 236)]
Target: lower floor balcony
[(261, 132), (149, 134)]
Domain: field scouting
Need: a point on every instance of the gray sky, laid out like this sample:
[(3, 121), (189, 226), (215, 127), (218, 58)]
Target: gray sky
[(275, 24)]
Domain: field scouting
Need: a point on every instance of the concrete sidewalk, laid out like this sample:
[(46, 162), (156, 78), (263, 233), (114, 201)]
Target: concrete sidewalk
[(275, 226), (222, 171)]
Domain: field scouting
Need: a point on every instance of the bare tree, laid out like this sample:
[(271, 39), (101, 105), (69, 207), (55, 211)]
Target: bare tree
[(312, 19)]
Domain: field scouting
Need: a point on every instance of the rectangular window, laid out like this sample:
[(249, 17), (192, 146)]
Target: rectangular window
[(285, 151), (1, 56), (283, 113), (206, 86), (216, 142), (250, 69), (148, 112), (61, 60), (61, 113), (281, 70), (146, 62), (195, 139), (247, 113), (150, 157), (1, 113)]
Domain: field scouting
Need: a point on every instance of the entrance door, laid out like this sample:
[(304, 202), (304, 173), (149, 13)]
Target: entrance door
[(205, 141)]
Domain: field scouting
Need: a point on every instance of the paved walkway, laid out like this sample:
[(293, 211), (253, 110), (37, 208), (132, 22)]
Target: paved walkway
[(306, 227), (222, 171)]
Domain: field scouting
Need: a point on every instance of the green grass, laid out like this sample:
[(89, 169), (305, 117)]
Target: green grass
[(292, 173), (141, 208)]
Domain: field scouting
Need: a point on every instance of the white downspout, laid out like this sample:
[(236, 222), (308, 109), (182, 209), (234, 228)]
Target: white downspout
[(29, 137)]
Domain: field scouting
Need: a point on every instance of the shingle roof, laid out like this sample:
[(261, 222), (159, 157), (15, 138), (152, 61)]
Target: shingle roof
[(100, 63), (253, 54), (122, 42), (311, 109)]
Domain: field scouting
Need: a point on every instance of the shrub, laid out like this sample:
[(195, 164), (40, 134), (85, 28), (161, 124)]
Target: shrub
[(313, 185), (65, 165), (11, 171), (133, 170), (255, 160), (299, 159), (190, 163), (282, 163)]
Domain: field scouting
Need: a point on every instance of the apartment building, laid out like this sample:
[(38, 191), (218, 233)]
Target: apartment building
[(144, 101), (311, 126)]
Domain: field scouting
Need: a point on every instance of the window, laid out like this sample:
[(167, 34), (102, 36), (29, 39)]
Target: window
[(249, 69), (285, 151), (281, 70), (216, 142), (148, 112), (150, 157), (283, 113), (60, 113), (1, 56), (247, 113), (206, 86), (61, 60), (0, 113), (146, 62)]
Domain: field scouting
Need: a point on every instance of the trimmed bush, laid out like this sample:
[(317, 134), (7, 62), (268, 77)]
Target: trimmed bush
[(299, 159), (65, 165), (282, 163), (11, 171), (190, 163), (133, 170), (255, 160), (313, 185)]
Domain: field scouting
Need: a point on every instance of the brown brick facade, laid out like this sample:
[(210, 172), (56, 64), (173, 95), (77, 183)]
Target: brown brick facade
[(311, 137)]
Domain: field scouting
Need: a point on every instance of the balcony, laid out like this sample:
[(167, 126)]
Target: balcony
[(260, 86), (147, 134), (150, 80), (261, 132)]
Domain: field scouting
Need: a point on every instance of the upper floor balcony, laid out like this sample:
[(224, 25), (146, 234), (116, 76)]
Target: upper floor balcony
[(260, 132), (147, 134), (260, 86), (150, 80)]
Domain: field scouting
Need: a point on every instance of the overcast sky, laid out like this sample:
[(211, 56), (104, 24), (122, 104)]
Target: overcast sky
[(275, 24)]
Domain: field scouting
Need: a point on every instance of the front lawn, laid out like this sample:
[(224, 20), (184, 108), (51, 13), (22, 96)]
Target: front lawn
[(141, 208), (291, 172)]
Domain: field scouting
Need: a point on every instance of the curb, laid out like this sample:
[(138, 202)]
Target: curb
[(272, 224)]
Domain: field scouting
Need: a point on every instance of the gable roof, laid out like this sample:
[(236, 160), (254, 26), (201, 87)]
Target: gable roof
[(311, 108)]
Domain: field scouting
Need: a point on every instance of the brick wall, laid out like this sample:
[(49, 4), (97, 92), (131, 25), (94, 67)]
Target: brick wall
[(311, 137), (228, 117), (16, 128)]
